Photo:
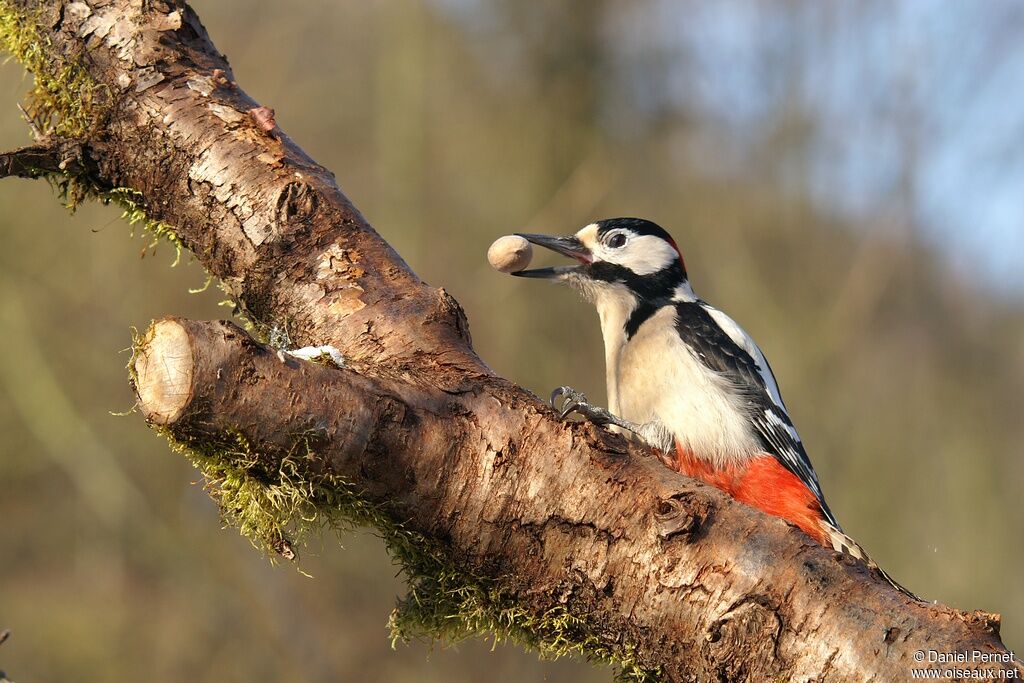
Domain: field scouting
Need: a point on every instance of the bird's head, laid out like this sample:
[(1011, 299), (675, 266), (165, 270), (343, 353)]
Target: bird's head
[(617, 256)]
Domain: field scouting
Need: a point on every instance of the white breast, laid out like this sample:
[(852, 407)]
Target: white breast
[(614, 305), (659, 379)]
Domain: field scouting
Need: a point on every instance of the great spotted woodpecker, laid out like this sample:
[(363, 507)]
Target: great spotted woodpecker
[(686, 378)]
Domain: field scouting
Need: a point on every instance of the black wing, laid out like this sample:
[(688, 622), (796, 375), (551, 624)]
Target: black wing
[(719, 352)]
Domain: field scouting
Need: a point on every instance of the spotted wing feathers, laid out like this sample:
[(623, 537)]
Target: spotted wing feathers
[(725, 348)]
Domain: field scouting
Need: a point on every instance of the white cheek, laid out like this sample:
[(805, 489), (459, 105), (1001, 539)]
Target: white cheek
[(643, 255)]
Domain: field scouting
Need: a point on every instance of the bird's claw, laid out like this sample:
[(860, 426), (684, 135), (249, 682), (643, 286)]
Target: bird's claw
[(566, 400)]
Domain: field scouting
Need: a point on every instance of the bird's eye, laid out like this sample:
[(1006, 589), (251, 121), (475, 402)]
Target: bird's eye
[(616, 240)]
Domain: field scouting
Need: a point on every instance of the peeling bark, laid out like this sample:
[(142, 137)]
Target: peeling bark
[(559, 515)]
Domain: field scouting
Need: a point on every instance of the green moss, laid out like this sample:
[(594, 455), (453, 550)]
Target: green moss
[(66, 102), (447, 605), (74, 190), (132, 202), (278, 509), (64, 99)]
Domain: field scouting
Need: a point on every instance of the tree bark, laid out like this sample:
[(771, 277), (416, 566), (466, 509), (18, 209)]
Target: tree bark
[(659, 569)]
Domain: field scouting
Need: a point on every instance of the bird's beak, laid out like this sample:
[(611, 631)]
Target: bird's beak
[(570, 246)]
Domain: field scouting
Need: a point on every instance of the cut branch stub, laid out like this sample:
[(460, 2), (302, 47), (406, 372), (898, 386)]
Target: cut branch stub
[(163, 372)]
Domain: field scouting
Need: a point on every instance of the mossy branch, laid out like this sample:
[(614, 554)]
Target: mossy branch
[(66, 108), (278, 496), (65, 100), (290, 447), (278, 510)]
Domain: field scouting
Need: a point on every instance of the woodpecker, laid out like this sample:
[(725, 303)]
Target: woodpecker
[(685, 378)]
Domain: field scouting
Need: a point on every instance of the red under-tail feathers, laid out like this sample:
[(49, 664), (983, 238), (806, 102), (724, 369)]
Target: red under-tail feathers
[(764, 483)]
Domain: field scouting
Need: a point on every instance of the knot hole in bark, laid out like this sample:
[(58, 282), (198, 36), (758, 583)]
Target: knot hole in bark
[(296, 203), (745, 641), (683, 514)]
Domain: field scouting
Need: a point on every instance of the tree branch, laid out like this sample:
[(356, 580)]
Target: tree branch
[(694, 582), (50, 157), (562, 533)]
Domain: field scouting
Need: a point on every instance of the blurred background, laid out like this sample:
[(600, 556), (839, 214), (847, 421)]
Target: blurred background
[(846, 179)]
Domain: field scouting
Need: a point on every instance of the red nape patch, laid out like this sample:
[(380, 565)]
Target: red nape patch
[(675, 246), (762, 483)]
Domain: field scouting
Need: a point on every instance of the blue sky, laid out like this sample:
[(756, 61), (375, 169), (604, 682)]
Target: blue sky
[(915, 106)]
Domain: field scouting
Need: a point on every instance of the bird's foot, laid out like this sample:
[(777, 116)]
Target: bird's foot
[(567, 400)]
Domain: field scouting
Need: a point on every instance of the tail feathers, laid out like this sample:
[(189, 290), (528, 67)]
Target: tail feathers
[(846, 545)]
